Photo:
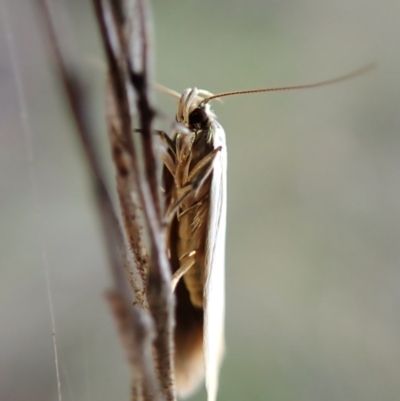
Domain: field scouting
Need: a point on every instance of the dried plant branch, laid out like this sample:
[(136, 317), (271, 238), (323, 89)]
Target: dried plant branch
[(132, 69), (127, 196), (160, 298), (137, 333), (135, 325), (139, 77), (119, 122)]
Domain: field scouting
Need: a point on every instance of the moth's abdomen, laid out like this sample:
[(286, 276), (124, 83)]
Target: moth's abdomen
[(194, 280), (192, 238)]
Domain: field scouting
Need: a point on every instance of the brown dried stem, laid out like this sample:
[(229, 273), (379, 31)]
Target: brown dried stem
[(136, 327), (132, 71)]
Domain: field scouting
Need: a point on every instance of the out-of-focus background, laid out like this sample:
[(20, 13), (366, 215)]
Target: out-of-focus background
[(313, 277)]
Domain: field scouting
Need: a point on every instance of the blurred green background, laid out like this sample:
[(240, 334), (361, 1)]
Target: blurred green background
[(313, 278)]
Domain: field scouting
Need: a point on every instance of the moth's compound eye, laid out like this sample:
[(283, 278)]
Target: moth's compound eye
[(198, 118)]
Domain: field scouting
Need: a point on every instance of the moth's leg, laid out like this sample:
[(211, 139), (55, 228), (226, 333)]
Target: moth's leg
[(195, 205), (201, 171), (163, 136), (194, 184), (166, 139), (204, 163), (178, 147), (175, 204), (182, 170), (166, 157), (188, 262), (168, 162)]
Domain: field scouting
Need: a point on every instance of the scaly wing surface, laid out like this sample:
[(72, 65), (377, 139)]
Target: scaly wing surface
[(214, 289)]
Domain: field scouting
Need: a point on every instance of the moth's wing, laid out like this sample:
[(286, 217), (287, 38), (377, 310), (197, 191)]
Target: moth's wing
[(214, 288)]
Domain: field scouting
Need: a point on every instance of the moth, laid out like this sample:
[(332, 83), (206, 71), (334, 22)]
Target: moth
[(195, 178), (195, 185)]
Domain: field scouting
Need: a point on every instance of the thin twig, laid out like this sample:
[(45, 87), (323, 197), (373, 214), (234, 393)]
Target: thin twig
[(160, 298), (130, 208), (120, 128), (135, 329), (117, 46)]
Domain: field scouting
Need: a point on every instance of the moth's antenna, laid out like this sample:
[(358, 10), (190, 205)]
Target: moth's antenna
[(166, 90), (178, 95), (345, 77)]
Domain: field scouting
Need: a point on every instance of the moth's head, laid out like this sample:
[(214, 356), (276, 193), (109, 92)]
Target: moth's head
[(193, 111)]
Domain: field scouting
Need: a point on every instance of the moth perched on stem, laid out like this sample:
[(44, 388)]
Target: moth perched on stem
[(195, 178), (195, 193)]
